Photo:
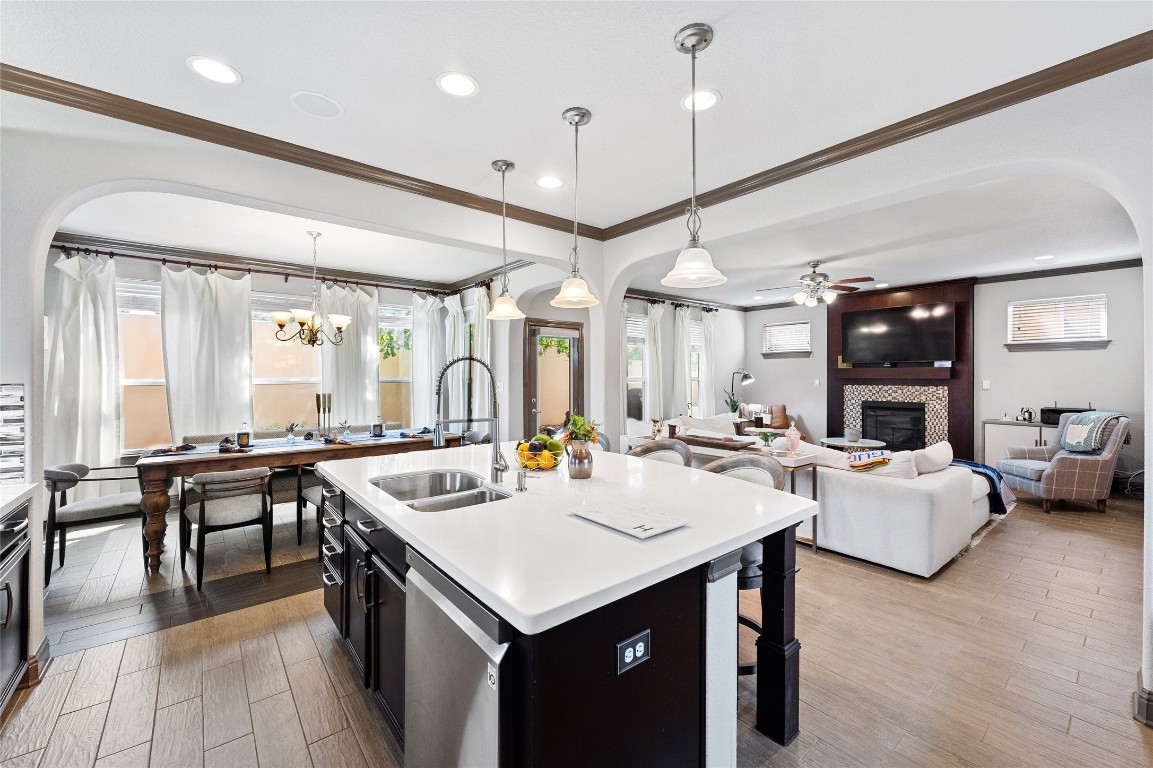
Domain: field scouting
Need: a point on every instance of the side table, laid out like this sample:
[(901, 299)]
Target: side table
[(792, 465)]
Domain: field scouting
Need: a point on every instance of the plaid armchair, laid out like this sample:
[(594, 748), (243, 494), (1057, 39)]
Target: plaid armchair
[(1052, 473)]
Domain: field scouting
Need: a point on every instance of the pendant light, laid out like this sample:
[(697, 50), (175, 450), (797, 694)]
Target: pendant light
[(574, 291), (504, 308), (694, 267)]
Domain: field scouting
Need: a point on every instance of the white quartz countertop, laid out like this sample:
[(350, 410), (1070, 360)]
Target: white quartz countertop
[(12, 496), (535, 564)]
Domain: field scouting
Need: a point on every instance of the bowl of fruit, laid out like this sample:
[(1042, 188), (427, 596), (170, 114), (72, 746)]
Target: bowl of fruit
[(542, 452)]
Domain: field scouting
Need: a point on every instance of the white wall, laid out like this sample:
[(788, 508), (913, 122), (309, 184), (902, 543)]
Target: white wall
[(1110, 378), (797, 382)]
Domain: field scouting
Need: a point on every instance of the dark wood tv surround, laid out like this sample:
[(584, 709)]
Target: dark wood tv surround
[(959, 378)]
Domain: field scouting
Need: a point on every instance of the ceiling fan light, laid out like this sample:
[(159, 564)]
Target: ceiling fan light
[(829, 297), (574, 294), (811, 301), (694, 269), (504, 308), (800, 297)]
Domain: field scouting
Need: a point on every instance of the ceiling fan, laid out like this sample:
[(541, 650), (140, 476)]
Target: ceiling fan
[(817, 285)]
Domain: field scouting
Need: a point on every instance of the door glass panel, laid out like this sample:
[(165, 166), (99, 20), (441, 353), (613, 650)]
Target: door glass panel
[(554, 381)]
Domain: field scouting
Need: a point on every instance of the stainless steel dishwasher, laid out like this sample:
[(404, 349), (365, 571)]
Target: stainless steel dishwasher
[(454, 647)]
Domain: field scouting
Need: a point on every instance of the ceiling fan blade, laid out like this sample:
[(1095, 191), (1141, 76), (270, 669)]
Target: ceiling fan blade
[(843, 288), (779, 288), (854, 280)]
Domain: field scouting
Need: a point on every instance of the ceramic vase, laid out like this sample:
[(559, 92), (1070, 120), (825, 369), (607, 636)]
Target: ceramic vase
[(580, 460), (792, 438)]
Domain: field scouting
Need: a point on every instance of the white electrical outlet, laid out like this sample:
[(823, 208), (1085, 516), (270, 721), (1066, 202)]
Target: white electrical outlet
[(985, 384), (816, 382)]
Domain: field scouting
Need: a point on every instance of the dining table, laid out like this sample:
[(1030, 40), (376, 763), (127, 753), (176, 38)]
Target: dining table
[(158, 469)]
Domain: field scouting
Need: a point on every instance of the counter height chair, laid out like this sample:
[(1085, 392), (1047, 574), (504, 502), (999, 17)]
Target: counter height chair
[(669, 451), (227, 500), (768, 472), (58, 479)]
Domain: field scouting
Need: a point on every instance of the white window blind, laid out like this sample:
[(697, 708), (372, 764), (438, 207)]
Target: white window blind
[(779, 338), (1070, 320), (137, 297), (696, 334), (636, 326)]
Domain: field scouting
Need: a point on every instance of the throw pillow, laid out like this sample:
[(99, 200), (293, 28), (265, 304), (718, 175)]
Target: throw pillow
[(934, 458), (824, 457), (901, 465), (777, 417)]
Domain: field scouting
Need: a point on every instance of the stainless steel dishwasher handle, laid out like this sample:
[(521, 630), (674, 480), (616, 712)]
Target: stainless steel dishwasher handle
[(368, 527)]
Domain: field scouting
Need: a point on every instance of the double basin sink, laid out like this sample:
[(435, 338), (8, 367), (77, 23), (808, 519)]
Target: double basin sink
[(439, 490)]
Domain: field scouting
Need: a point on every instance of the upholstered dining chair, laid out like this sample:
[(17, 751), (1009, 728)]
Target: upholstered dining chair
[(768, 472), (1053, 473), (669, 451), (58, 479), (227, 500)]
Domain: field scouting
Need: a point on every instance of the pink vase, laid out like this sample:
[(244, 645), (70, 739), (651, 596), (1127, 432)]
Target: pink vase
[(792, 437)]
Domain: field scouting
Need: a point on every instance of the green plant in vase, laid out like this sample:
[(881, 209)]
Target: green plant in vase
[(732, 401), (290, 433), (768, 437), (581, 433), (346, 430)]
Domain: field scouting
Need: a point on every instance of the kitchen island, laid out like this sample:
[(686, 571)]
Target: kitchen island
[(594, 647)]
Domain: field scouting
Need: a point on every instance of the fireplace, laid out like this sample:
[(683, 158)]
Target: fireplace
[(900, 425)]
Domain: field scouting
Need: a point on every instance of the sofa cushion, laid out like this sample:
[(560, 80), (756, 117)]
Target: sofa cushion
[(824, 457), (980, 487), (901, 465), (1028, 468), (934, 458)]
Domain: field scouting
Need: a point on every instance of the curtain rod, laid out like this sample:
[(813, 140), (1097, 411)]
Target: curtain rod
[(71, 250), (677, 303)]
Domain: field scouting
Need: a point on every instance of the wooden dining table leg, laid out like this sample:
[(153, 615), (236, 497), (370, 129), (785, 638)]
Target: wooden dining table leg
[(155, 505)]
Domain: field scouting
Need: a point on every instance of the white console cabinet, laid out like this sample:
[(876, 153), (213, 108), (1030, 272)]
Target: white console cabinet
[(998, 435)]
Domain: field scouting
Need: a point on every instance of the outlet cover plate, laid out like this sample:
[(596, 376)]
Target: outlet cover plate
[(636, 650)]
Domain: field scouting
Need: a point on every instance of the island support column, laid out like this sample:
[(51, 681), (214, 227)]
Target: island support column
[(778, 652)]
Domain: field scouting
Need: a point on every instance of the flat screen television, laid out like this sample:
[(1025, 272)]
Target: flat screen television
[(914, 334)]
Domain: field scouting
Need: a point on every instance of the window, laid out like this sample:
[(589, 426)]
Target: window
[(285, 376), (696, 341), (1073, 322), (394, 335), (143, 396), (786, 339), (636, 333)]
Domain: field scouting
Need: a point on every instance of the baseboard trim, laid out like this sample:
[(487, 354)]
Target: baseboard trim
[(1143, 704), (37, 666)]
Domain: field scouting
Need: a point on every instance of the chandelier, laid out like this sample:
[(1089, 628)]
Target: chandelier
[(310, 320)]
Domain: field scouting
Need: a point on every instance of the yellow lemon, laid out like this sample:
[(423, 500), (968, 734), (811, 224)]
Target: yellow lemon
[(546, 460)]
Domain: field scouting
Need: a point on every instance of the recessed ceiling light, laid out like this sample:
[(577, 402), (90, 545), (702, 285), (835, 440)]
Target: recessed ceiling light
[(1044, 258), (705, 99), (549, 182), (216, 71), (316, 104), (457, 84), (880, 285)]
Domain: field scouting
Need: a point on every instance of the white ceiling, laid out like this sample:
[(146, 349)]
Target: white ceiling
[(794, 77), (989, 229), (208, 225)]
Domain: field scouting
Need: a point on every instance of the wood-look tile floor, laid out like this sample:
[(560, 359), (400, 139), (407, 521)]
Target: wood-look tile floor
[(104, 563), (1023, 652)]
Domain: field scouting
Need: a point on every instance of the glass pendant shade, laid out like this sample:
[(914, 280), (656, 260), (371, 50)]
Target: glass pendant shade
[(339, 322), (810, 302), (829, 297), (505, 308), (281, 318), (800, 297), (694, 269), (574, 294), (302, 316)]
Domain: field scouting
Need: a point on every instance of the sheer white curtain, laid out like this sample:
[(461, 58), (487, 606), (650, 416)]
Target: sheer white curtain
[(351, 371), (682, 375), (624, 342), (706, 375), (207, 331), (654, 365), (427, 357), (482, 348), (82, 382), (455, 345)]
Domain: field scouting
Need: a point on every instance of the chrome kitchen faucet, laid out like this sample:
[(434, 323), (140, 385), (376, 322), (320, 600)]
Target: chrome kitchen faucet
[(499, 465)]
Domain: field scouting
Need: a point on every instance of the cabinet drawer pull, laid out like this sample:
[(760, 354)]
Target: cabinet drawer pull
[(325, 578), (368, 527), (18, 528), (329, 550), (8, 610), (329, 493), (328, 522)]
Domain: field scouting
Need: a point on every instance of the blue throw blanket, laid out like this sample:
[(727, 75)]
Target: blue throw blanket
[(1001, 498)]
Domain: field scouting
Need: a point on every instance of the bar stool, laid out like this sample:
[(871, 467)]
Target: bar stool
[(666, 450)]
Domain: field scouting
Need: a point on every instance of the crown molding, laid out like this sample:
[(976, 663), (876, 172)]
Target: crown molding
[(28, 83), (1103, 61)]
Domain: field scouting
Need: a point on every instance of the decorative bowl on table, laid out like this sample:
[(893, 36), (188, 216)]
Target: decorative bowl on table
[(540, 453)]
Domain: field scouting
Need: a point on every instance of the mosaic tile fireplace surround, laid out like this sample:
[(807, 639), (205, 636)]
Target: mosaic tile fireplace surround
[(936, 400)]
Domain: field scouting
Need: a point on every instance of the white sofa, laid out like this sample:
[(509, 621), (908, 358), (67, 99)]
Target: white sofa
[(915, 526)]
